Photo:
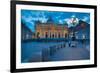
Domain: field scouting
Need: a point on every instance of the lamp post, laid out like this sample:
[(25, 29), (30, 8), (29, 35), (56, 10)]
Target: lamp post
[(74, 22)]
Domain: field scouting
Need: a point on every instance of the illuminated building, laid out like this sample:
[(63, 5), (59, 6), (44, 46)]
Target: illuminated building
[(50, 30)]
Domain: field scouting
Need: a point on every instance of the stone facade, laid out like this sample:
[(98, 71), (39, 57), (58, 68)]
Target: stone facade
[(49, 30)]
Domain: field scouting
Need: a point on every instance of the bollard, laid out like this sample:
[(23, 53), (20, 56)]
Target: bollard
[(51, 51), (64, 45), (45, 54)]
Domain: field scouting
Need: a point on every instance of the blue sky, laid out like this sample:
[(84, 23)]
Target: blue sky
[(30, 16)]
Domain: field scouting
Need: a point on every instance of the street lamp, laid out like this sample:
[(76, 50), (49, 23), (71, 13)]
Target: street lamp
[(74, 22)]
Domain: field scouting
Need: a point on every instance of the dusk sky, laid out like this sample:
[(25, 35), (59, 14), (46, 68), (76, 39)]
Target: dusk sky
[(30, 16)]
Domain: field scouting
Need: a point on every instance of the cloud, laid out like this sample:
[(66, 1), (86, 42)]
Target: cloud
[(43, 20), (70, 21), (73, 16), (26, 19), (61, 21), (85, 18)]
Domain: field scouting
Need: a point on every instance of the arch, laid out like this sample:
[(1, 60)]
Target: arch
[(46, 35), (38, 34), (66, 35), (55, 35), (59, 35), (52, 35)]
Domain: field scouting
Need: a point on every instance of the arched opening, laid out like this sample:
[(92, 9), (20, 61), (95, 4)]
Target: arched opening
[(46, 35), (52, 35), (65, 35), (59, 35), (38, 35), (55, 35)]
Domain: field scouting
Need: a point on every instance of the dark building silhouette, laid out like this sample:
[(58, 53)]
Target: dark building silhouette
[(26, 33)]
